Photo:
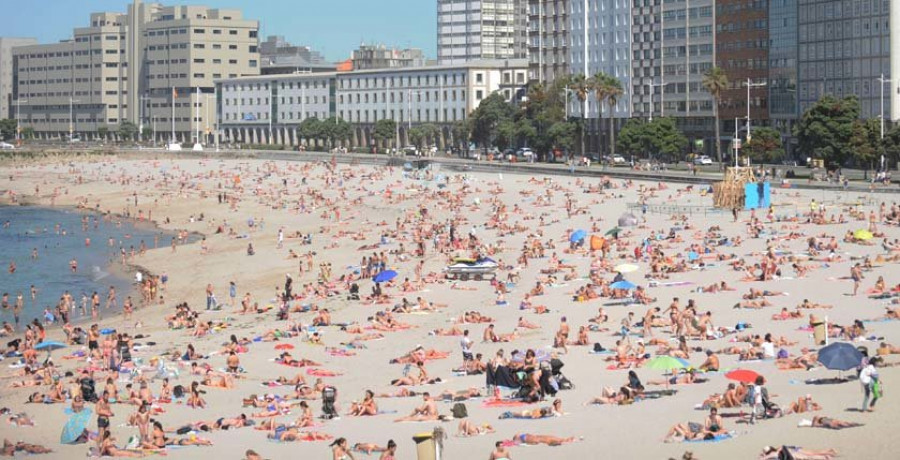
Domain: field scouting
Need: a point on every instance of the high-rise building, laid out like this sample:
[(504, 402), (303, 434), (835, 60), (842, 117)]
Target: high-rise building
[(381, 57), (844, 49), (895, 61), (280, 57), (132, 67), (782, 85), (548, 39), (742, 51), (673, 47), (601, 42), (469, 30), (7, 103)]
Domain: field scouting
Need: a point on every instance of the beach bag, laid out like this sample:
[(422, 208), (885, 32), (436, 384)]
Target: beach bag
[(178, 391), (876, 389), (459, 411)]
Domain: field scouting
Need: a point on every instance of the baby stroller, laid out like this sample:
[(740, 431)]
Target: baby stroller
[(354, 292), (88, 391), (329, 397), (562, 381)]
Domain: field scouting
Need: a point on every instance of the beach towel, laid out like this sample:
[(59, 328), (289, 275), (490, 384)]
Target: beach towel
[(716, 438)]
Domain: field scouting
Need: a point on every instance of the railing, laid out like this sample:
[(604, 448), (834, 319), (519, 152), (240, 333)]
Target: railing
[(673, 209)]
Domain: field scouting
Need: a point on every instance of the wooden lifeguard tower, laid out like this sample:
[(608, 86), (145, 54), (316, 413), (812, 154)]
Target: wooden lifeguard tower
[(731, 192)]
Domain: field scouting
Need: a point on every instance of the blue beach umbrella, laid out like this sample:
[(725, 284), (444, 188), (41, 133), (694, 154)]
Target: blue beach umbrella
[(384, 276), (49, 346), (577, 235), (693, 256), (624, 284), (75, 426), (107, 331), (840, 356)]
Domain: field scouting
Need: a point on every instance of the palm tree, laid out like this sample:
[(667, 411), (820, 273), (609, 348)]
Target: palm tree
[(581, 86), (715, 81), (613, 91), (600, 86)]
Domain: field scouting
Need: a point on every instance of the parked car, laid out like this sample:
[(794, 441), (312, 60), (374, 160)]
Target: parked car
[(5, 146), (703, 160), (617, 160), (410, 150)]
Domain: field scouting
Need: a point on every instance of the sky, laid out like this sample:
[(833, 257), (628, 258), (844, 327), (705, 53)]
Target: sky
[(332, 27)]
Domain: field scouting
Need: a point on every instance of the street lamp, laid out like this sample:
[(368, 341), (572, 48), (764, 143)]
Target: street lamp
[(661, 84), (18, 127), (750, 85), (144, 98), (72, 118), (882, 80)]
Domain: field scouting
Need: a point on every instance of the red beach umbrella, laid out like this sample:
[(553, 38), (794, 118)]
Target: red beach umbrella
[(284, 346), (742, 375)]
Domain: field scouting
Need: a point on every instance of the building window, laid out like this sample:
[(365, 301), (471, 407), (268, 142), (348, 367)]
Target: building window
[(253, 63), (478, 95), (199, 31)]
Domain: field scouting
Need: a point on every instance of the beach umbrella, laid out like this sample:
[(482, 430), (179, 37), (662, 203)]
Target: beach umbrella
[(863, 235), (693, 256), (840, 356), (624, 284), (613, 231), (665, 363), (75, 426), (284, 346), (107, 331), (742, 375), (626, 268), (577, 235), (49, 346), (384, 276)]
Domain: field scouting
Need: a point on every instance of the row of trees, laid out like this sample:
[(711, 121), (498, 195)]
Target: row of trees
[(831, 130)]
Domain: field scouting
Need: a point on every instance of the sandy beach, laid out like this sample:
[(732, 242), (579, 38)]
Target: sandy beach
[(352, 212)]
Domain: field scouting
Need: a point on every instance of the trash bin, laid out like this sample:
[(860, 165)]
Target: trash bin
[(426, 448)]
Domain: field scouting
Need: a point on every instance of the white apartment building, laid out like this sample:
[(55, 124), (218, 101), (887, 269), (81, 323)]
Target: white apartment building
[(268, 109), (132, 67), (469, 30)]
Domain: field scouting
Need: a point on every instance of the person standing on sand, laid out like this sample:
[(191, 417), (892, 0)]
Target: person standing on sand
[(857, 276), (232, 293), (868, 378)]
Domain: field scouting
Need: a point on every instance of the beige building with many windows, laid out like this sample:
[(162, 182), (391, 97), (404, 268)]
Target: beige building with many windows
[(131, 67), (7, 102)]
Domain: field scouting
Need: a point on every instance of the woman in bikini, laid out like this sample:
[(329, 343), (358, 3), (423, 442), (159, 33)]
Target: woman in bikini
[(366, 407)]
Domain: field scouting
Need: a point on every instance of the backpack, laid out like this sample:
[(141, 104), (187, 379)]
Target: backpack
[(459, 411)]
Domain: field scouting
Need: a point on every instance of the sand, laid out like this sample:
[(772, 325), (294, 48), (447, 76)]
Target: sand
[(628, 431)]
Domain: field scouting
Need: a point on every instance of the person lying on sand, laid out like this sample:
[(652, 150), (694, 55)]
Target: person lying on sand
[(9, 449), (467, 429), (828, 423), (798, 453), (535, 439)]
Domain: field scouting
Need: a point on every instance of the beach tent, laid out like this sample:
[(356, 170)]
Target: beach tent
[(597, 242), (628, 220)]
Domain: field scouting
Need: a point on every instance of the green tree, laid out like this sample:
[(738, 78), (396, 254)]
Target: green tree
[(506, 135), (423, 135), (891, 147), (580, 86), (385, 130), (611, 90), (865, 144), (715, 81), (127, 130), (486, 119), (544, 106), (7, 129), (28, 133), (825, 128), (460, 132), (563, 134), (103, 132), (657, 138), (765, 146), (311, 129), (336, 130)]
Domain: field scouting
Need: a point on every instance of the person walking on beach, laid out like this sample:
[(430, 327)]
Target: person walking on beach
[(857, 276), (868, 378), (466, 344), (210, 297), (111, 300), (280, 238), (232, 293), (17, 308)]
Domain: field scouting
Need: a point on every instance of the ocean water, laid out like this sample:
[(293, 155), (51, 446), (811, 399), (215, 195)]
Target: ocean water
[(58, 237)]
